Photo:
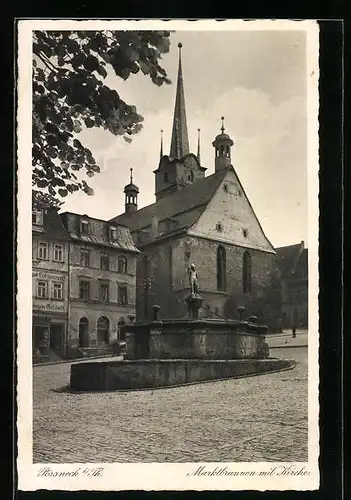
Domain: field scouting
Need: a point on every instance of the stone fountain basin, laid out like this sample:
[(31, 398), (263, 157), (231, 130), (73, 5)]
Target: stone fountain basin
[(152, 373)]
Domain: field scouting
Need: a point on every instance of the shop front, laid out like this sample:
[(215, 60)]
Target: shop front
[(49, 334)]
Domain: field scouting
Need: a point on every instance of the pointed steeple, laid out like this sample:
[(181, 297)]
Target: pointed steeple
[(161, 149), (180, 140), (198, 145)]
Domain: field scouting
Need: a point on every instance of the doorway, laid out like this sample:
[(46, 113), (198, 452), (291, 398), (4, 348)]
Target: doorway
[(103, 328), (41, 336), (56, 337), (83, 332)]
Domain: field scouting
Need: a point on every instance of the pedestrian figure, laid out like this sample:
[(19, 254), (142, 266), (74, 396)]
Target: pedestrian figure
[(294, 321)]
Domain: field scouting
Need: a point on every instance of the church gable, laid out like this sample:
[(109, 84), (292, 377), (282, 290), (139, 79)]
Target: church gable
[(230, 218)]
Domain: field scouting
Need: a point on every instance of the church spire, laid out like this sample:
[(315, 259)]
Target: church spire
[(198, 145), (180, 141), (161, 149)]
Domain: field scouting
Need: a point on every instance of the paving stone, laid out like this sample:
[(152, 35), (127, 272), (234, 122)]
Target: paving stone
[(252, 419)]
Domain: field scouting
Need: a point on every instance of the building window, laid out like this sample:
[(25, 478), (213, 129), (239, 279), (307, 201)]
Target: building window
[(84, 290), (191, 176), (103, 292), (58, 253), (37, 218), (113, 233), (57, 291), (104, 262), (165, 177), (43, 251), (221, 269), (219, 227), (225, 188), (84, 257), (122, 265), (42, 289), (245, 233), (122, 295), (84, 227), (247, 272)]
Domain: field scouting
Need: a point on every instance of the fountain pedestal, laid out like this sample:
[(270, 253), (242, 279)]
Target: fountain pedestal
[(194, 302)]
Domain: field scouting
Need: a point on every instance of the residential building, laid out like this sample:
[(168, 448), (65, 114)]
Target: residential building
[(50, 242), (102, 277), (83, 282), (293, 263)]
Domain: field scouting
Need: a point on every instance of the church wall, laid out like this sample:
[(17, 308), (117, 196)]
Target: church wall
[(170, 285)]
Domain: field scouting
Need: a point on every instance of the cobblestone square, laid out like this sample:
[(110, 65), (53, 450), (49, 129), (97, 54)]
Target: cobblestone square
[(262, 418)]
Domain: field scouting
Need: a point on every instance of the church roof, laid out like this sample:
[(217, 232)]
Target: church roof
[(186, 205)]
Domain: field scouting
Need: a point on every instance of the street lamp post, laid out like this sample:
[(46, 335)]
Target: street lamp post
[(147, 288)]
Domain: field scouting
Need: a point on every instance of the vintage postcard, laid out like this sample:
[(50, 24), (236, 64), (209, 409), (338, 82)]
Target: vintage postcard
[(167, 255)]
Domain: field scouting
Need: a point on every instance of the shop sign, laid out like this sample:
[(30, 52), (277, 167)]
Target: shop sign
[(49, 306), (42, 275)]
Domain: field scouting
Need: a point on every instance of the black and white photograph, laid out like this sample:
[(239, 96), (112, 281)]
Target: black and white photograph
[(168, 255)]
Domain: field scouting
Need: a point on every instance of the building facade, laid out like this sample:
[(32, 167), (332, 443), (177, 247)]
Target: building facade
[(102, 276), (293, 263), (84, 276), (50, 244), (206, 220)]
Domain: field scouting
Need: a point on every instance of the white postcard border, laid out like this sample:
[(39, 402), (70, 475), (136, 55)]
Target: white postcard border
[(157, 476)]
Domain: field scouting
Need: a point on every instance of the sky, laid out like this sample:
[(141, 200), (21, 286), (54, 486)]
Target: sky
[(257, 81)]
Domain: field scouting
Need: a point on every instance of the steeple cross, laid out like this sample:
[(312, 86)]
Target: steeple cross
[(222, 127)]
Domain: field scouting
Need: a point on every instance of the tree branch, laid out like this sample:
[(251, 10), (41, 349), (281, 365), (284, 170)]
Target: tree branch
[(46, 64)]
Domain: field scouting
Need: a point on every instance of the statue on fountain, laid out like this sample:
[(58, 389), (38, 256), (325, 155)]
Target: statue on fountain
[(193, 279)]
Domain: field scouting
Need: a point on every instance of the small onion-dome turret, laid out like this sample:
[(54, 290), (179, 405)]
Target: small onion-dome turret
[(131, 191)]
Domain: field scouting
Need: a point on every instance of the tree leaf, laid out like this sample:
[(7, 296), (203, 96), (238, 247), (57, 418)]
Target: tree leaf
[(71, 92)]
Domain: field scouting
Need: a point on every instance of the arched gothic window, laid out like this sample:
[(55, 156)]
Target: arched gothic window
[(146, 270), (247, 272), (221, 269)]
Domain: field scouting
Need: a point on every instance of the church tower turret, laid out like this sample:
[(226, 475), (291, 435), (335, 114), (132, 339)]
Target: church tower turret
[(131, 195), (222, 145)]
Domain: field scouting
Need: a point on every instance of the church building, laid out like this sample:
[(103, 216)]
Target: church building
[(202, 219)]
